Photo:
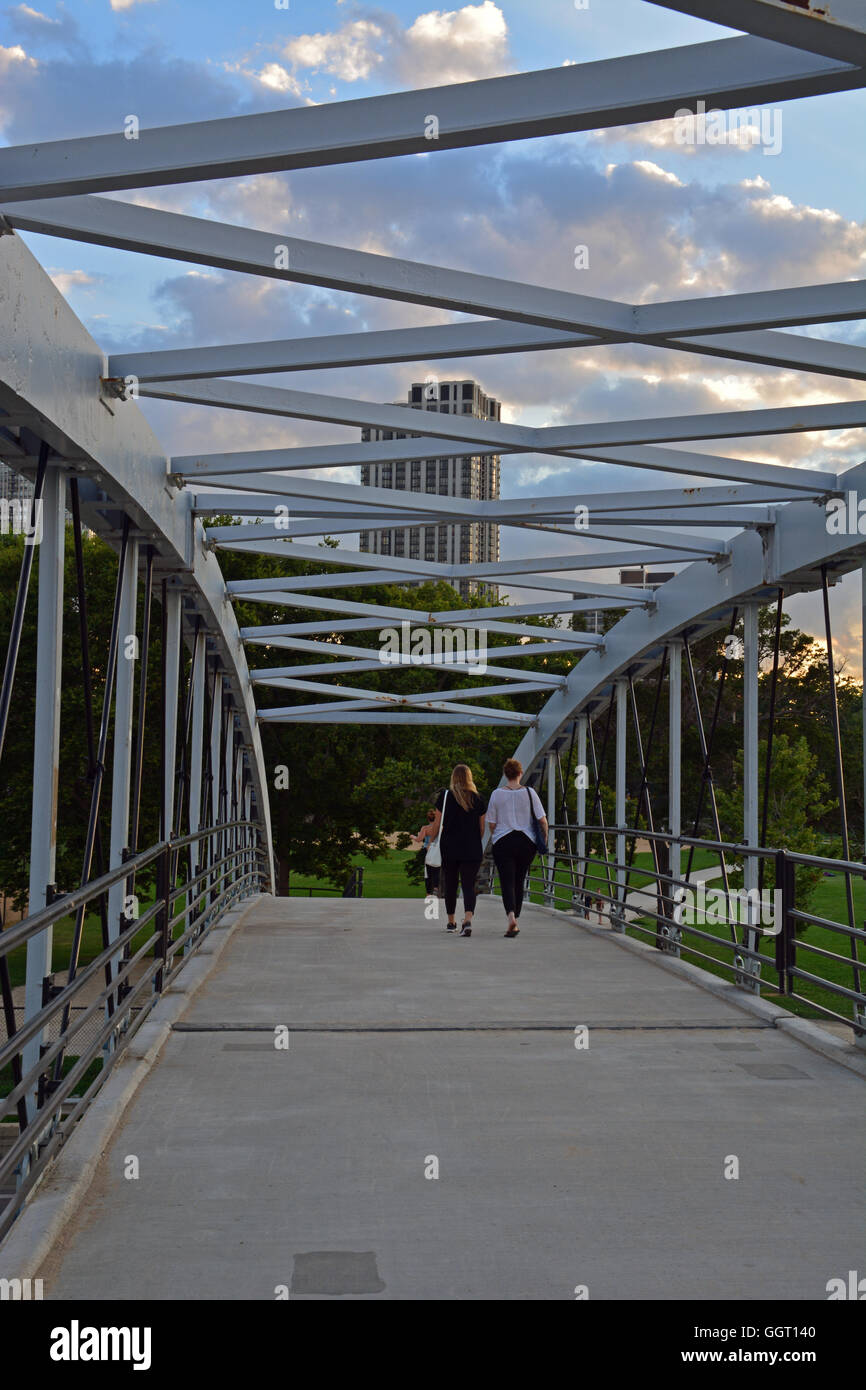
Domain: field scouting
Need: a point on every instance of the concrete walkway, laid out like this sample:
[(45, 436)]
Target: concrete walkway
[(411, 1049)]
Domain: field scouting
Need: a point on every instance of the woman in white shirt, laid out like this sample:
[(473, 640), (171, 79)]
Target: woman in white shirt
[(509, 816)]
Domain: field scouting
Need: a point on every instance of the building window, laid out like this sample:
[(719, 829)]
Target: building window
[(416, 394), (400, 475), (399, 542), (467, 390), (386, 475)]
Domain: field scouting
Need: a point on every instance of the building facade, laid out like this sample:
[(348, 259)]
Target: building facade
[(14, 487), (475, 477)]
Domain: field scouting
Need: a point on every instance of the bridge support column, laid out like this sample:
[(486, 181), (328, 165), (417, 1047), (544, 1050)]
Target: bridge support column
[(216, 774), (749, 977), (617, 916), (863, 657), (199, 669), (582, 779), (46, 749), (675, 737), (228, 836), (124, 703), (549, 889)]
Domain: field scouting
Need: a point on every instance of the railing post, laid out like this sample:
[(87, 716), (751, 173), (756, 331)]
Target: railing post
[(617, 913), (669, 937), (163, 895), (549, 888), (786, 941), (578, 899), (749, 976)]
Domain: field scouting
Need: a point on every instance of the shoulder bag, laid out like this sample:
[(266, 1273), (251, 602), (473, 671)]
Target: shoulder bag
[(433, 857), (538, 834)]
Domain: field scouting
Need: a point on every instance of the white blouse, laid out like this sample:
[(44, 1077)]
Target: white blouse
[(508, 809)]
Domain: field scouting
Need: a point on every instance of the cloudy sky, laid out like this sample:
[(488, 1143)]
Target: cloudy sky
[(660, 220)]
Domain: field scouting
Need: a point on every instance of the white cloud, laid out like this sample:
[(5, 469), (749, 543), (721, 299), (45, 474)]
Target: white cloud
[(26, 12), (65, 280), (128, 4), (439, 47), (457, 45), (350, 53), (11, 56)]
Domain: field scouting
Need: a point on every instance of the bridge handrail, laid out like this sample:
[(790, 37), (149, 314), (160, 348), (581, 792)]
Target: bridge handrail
[(45, 1119), (585, 887)]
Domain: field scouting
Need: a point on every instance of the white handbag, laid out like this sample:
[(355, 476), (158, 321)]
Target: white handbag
[(433, 857)]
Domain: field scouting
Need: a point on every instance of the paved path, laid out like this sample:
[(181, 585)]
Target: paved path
[(557, 1167)]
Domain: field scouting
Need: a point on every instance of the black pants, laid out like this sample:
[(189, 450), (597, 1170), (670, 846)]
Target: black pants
[(466, 870), (513, 854), (431, 880)]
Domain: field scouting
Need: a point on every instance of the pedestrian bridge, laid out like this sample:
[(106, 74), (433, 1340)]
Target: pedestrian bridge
[(431, 1129), (453, 1119)]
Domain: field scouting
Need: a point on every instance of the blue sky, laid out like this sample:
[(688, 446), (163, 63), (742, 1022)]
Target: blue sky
[(660, 221)]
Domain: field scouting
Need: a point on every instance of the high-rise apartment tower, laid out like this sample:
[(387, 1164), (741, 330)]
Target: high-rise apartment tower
[(475, 477)]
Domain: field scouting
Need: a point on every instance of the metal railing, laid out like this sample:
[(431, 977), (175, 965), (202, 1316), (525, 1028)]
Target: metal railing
[(353, 887), (654, 900), (222, 864)]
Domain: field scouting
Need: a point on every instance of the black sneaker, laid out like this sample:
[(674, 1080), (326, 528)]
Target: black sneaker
[(452, 926), (466, 929)]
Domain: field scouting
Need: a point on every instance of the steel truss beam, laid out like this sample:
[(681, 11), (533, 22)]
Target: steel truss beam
[(483, 436), (834, 33), (619, 91), (131, 227), (484, 339), (493, 569), (193, 467)]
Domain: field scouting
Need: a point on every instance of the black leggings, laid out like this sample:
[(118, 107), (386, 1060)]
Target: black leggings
[(466, 870), (513, 854)]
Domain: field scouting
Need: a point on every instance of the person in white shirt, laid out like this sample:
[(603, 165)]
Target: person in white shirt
[(509, 816)]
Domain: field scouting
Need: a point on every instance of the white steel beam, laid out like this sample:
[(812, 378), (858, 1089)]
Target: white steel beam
[(131, 227), (499, 569), (492, 337), (277, 675), (391, 718), (488, 436), (619, 91), (558, 636), (304, 644), (46, 749), (835, 31), (421, 698), (306, 712), (124, 702)]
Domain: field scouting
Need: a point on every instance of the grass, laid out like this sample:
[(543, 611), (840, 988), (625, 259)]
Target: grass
[(383, 878)]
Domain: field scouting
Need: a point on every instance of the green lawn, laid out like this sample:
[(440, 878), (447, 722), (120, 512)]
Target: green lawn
[(383, 878)]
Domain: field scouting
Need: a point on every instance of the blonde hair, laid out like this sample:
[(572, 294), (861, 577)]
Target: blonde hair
[(462, 786)]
